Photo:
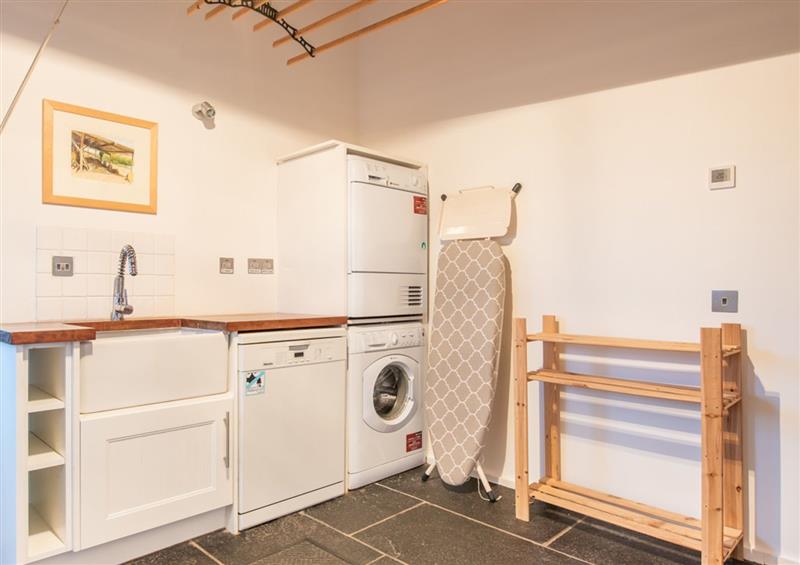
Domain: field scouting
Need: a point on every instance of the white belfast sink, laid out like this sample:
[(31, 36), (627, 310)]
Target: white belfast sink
[(133, 368)]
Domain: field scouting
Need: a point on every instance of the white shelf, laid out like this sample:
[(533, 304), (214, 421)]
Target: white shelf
[(42, 541), (40, 401), (41, 455)]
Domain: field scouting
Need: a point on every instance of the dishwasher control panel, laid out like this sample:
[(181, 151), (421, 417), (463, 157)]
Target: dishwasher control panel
[(258, 356)]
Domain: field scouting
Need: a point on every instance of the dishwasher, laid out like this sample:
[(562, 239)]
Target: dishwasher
[(291, 421)]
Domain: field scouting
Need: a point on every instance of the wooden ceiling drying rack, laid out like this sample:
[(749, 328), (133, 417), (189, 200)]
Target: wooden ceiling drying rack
[(718, 532), (270, 15)]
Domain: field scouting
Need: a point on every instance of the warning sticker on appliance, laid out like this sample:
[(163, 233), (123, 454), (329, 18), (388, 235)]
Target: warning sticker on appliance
[(254, 383), (413, 441), (421, 205)]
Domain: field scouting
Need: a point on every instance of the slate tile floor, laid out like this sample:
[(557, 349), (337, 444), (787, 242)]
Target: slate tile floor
[(403, 520)]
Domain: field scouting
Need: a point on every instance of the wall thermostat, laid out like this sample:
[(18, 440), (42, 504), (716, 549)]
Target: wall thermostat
[(722, 177)]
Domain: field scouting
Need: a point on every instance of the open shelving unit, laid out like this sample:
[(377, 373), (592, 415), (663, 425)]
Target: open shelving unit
[(718, 532), (48, 448)]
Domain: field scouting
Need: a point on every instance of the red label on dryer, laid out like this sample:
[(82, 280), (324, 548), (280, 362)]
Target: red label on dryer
[(413, 441), (420, 205)]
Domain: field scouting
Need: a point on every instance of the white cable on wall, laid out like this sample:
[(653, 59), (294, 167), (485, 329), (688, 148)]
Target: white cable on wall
[(32, 66)]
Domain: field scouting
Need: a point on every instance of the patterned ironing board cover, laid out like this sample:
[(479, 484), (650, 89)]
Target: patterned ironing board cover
[(464, 352)]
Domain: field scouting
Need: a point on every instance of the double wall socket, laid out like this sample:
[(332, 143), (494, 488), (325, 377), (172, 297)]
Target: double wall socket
[(63, 266), (260, 266)]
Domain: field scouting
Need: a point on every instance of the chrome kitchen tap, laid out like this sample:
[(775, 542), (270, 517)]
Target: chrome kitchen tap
[(120, 306)]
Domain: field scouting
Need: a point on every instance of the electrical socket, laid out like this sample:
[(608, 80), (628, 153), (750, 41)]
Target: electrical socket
[(724, 300), (260, 266), (226, 265), (63, 266)]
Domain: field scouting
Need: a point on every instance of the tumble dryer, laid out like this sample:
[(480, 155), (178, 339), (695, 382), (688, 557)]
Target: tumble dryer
[(384, 401), (352, 234)]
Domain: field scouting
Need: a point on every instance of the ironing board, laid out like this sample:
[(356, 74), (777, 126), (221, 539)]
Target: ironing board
[(466, 329), (466, 326)]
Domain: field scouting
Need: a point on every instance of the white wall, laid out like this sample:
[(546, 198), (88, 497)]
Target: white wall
[(216, 187), (618, 234)]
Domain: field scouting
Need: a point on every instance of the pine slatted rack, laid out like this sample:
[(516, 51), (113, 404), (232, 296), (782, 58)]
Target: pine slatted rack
[(718, 532)]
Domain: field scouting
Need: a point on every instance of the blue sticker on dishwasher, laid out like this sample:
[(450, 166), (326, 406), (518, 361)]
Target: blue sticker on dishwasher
[(254, 383)]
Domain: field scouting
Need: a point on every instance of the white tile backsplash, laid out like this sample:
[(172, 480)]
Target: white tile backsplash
[(99, 285), (48, 237), (98, 263), (44, 260), (144, 243), (144, 306), (74, 308), (99, 240), (120, 238), (146, 264), (165, 286), (47, 285), (49, 309), (165, 264), (74, 239), (144, 285), (74, 286), (98, 307), (87, 294), (79, 261)]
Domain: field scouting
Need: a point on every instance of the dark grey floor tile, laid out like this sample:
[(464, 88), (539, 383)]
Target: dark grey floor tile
[(385, 561), (360, 508), (183, 553), (604, 544), (303, 553), (265, 540), (429, 535), (546, 521)]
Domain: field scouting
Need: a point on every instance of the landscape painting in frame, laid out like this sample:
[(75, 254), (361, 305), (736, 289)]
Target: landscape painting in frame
[(97, 159)]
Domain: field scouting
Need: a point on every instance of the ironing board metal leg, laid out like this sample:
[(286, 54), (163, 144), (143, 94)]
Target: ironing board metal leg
[(485, 482), (427, 473)]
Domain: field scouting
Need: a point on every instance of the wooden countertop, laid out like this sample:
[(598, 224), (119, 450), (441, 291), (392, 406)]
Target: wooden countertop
[(261, 322), (44, 332), (86, 330)]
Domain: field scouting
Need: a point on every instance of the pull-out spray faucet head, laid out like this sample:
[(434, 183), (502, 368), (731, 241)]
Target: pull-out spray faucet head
[(129, 253)]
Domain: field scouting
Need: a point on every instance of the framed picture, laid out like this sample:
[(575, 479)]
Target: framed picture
[(97, 159)]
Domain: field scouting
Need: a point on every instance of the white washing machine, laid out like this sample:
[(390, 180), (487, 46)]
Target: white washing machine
[(384, 401)]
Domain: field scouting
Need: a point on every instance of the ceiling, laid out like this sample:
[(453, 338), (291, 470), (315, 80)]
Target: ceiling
[(473, 56)]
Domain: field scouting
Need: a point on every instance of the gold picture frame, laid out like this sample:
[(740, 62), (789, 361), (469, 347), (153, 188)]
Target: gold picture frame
[(96, 159)]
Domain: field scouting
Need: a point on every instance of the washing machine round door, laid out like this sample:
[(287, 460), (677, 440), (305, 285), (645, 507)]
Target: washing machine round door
[(391, 389)]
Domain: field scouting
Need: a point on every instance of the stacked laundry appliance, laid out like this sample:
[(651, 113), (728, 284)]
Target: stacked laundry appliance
[(353, 239)]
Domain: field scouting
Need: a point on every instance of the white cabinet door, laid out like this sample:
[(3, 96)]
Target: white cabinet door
[(149, 466), (388, 232)]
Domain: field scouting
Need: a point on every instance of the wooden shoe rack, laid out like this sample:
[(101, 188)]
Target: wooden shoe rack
[(718, 532)]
